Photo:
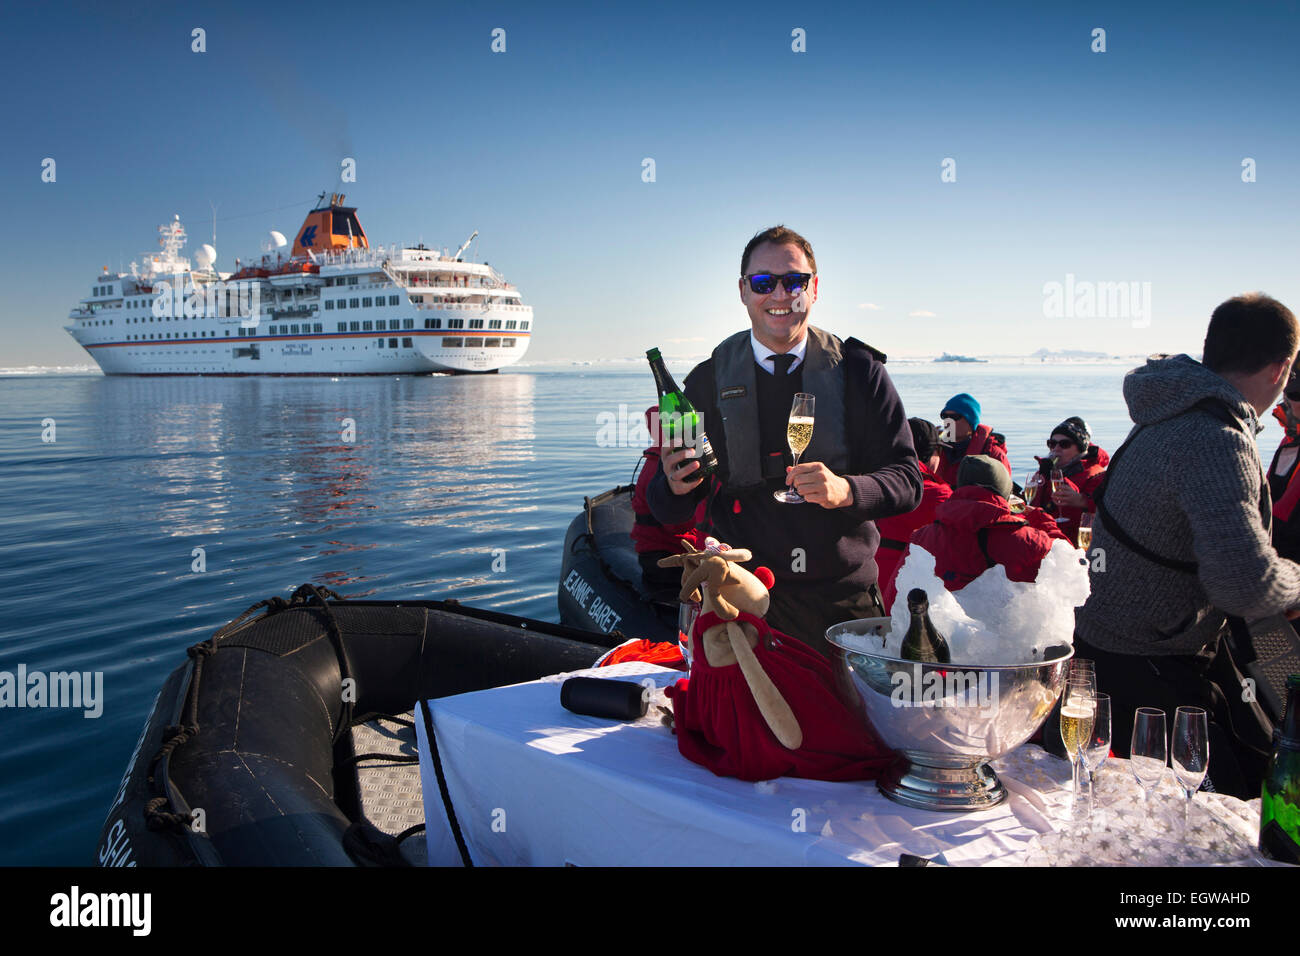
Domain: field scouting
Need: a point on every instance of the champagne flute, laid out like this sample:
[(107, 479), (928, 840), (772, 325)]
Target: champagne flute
[(1033, 482), (1097, 747), (1149, 751), (1076, 729), (798, 433), (1058, 482), (1191, 752), (1085, 531)]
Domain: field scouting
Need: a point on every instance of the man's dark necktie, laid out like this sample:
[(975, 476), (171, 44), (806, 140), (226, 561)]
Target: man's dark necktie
[(782, 363)]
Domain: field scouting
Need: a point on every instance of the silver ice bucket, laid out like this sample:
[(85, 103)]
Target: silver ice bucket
[(944, 721)]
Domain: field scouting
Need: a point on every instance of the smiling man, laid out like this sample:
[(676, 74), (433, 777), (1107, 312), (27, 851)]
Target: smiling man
[(859, 465)]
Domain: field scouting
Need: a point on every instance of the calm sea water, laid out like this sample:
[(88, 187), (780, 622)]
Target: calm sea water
[(445, 481)]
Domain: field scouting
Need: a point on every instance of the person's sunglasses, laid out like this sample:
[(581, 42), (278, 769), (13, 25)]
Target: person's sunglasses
[(764, 283), (1060, 443)]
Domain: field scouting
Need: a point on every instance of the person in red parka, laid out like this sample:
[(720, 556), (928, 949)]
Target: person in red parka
[(895, 532), (968, 437), (1084, 466), (975, 529), (651, 539), (1283, 472)]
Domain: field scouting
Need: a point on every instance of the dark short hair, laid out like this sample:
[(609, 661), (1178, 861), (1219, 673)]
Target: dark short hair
[(781, 236), (1249, 332)]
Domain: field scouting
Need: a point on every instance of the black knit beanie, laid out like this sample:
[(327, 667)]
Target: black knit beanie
[(1075, 428)]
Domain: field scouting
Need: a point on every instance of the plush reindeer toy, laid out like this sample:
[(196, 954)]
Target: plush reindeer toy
[(759, 704)]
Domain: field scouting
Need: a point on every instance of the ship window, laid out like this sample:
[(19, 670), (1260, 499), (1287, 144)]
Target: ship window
[(379, 343), (353, 280), (354, 326), (367, 326), (343, 326), (169, 335), (476, 323), (392, 300), (294, 328), (451, 343), (406, 342), (342, 303), (317, 327), (381, 325), (356, 303), (494, 324), (367, 302), (524, 324), (492, 343), (227, 333), (512, 324), (329, 304), (392, 343)]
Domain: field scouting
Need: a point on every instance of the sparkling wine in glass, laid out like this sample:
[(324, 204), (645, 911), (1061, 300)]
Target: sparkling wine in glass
[(1085, 531), (1032, 483), (798, 433), (1076, 729), (1058, 482), (1191, 752)]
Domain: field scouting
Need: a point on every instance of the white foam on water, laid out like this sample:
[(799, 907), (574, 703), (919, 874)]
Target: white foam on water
[(993, 620)]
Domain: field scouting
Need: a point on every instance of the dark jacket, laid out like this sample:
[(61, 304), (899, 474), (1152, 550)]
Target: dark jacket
[(808, 544)]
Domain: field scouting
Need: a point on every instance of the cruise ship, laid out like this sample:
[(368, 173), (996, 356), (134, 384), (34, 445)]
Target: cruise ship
[(332, 306)]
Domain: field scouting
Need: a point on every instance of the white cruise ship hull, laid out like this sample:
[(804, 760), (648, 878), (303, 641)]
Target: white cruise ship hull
[(333, 306)]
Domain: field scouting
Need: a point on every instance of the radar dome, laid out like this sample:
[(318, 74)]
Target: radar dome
[(205, 255), (278, 240)]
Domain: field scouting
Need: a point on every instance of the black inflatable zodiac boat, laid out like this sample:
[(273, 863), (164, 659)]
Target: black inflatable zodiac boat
[(256, 750), (600, 583)]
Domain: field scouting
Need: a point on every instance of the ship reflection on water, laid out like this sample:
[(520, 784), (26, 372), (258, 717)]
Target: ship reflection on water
[(298, 479)]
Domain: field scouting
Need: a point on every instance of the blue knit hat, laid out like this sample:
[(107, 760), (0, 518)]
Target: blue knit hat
[(965, 406)]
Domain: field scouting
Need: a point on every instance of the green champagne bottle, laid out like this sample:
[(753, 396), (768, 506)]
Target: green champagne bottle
[(1279, 813), (923, 642), (678, 419)]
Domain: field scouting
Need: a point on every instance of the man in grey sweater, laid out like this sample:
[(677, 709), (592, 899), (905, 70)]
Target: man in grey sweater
[(1183, 537)]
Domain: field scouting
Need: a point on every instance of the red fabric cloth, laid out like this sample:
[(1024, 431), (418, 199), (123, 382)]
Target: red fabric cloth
[(1017, 542), (900, 528), (982, 442), (665, 654), (719, 725), (1086, 482)]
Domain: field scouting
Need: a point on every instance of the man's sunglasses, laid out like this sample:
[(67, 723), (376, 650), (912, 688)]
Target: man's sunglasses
[(764, 283), (1060, 443)]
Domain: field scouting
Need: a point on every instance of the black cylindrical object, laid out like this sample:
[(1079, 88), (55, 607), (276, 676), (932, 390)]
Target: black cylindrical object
[(597, 697)]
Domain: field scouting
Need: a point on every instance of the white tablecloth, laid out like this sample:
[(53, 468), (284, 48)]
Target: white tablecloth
[(533, 784)]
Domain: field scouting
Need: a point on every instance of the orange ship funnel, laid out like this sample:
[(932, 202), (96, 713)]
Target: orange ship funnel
[(330, 228)]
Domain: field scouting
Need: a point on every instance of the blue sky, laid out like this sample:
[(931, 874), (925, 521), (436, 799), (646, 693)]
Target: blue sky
[(1123, 166)]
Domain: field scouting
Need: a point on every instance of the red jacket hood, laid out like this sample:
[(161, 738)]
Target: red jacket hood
[(972, 507)]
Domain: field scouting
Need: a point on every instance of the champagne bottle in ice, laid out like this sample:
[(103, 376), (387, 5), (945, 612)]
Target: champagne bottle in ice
[(923, 642)]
